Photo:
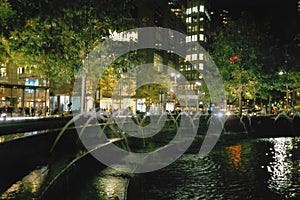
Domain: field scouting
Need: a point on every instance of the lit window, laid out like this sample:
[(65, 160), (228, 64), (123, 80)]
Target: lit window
[(201, 19), (201, 56), (194, 38), (201, 66), (201, 37), (201, 29), (2, 72), (188, 39), (188, 11), (21, 70), (201, 8), (188, 20), (188, 57), (193, 77), (194, 86), (195, 9), (194, 56)]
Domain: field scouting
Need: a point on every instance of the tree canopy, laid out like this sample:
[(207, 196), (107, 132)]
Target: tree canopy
[(249, 59), (55, 36)]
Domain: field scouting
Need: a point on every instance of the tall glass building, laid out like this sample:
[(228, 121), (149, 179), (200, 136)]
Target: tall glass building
[(197, 19)]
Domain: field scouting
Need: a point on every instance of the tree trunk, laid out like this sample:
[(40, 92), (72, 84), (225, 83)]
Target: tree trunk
[(270, 105), (240, 103)]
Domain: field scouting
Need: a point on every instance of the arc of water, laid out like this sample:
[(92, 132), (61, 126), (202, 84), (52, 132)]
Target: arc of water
[(76, 117), (282, 114), (64, 129), (243, 123), (297, 114), (98, 60), (175, 120), (84, 127), (92, 116), (198, 115), (73, 162)]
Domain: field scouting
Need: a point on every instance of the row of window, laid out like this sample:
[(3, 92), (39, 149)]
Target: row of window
[(195, 9), (20, 70), (192, 86), (195, 29), (186, 68), (193, 19), (194, 38), (194, 56)]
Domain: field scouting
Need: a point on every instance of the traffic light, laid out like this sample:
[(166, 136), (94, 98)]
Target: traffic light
[(156, 21)]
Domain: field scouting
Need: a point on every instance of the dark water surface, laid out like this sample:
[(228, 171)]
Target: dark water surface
[(236, 169), (245, 169)]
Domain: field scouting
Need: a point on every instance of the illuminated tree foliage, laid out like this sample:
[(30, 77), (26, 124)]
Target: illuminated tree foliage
[(55, 36), (234, 50), (249, 59)]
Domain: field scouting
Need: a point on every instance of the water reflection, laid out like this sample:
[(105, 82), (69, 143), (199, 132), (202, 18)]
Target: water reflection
[(27, 187), (281, 168), (6, 138), (245, 169), (235, 154), (241, 169), (30, 133), (111, 184)]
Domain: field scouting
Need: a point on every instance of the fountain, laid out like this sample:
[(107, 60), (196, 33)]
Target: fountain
[(237, 125), (296, 123), (283, 124), (74, 166)]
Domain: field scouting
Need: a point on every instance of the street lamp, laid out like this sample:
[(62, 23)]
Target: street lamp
[(175, 75), (120, 87), (161, 98), (198, 84), (281, 73)]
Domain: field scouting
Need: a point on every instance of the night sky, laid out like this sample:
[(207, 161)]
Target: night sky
[(282, 14), (283, 8)]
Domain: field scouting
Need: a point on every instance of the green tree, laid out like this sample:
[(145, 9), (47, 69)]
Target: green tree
[(56, 36), (234, 50), (249, 59)]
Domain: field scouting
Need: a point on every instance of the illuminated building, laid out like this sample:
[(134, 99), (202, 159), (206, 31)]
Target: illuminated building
[(177, 7), (224, 16), (297, 38), (197, 20), (20, 89)]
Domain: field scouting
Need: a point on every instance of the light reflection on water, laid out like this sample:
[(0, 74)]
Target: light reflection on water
[(281, 168), (246, 169), (28, 186), (105, 185), (6, 138), (111, 184)]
